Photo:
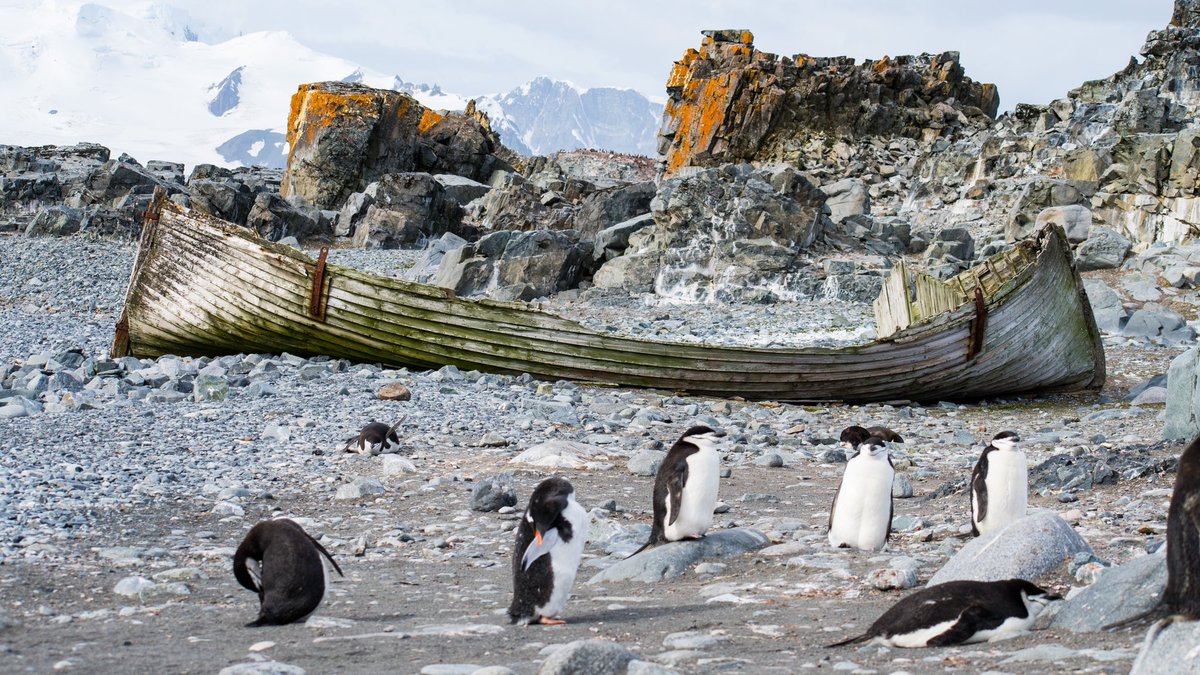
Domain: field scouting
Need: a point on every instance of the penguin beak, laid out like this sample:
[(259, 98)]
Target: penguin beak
[(537, 537)]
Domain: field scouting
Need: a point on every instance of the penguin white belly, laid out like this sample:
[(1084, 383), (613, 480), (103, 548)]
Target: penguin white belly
[(861, 514), (699, 497), (919, 637), (1007, 490), (564, 560), (1012, 627)]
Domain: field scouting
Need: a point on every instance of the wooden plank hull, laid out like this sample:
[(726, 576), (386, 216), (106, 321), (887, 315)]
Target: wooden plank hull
[(201, 286)]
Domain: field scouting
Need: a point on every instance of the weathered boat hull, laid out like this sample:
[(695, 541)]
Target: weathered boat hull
[(201, 286)]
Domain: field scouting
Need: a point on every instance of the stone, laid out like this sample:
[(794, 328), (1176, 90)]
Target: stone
[(1170, 649), (394, 391), (691, 639), (1025, 549), (1075, 219), (405, 209), (558, 455), (492, 439), (425, 269), (1152, 320), (210, 388), (612, 241), (648, 668), (845, 198), (275, 218), (342, 136), (393, 465), (901, 486), (893, 579), (1104, 249), (450, 669), (494, 492), (55, 221), (1120, 593), (134, 587), (1107, 307), (594, 657), (1182, 415), (494, 670), (459, 189), (362, 486), (539, 263), (674, 558), (645, 462)]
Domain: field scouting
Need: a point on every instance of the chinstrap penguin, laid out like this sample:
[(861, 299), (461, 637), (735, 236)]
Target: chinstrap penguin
[(1181, 596), (547, 553), (861, 513), (854, 436), (999, 485), (685, 488), (958, 612), (286, 567), (375, 438)]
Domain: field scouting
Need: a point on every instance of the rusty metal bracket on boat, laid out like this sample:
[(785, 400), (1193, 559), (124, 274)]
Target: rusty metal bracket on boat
[(978, 326), (316, 308)]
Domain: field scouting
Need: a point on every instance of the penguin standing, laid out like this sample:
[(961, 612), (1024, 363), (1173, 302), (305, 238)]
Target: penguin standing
[(283, 564), (861, 514), (685, 488), (548, 550), (958, 612), (1181, 596), (375, 438), (999, 485)]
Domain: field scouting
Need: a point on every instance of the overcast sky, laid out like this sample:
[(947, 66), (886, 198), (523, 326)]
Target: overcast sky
[(1035, 51)]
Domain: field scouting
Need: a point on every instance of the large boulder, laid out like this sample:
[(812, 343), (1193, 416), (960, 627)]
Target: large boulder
[(847, 197), (612, 241), (274, 218), (1182, 421), (1075, 219), (673, 559), (1104, 249), (1169, 648), (342, 136), (1024, 549), (515, 203), (605, 208), (728, 102), (1106, 304), (1038, 195), (516, 265), (404, 209), (221, 197), (1120, 593)]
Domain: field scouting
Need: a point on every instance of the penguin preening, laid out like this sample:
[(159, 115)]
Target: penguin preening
[(286, 567), (999, 485), (375, 438), (1181, 596), (685, 488), (958, 612), (549, 547), (861, 513), (854, 436)]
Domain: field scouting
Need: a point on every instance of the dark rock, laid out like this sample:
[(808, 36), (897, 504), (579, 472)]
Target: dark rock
[(223, 198), (275, 218), (1120, 593), (55, 221), (493, 492), (612, 241), (1104, 249), (607, 208), (540, 263), (404, 209)]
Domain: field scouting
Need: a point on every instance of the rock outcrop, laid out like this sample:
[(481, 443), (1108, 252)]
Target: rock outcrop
[(343, 136), (729, 102)]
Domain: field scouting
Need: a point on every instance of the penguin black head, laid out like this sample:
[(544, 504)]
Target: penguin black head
[(378, 437), (1032, 592), (1005, 440), (873, 445), (545, 514), (854, 436), (701, 433)]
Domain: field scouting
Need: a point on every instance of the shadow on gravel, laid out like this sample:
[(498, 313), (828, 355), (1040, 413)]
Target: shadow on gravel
[(635, 613)]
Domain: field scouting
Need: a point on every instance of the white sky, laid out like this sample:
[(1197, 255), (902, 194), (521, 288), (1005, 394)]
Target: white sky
[(1035, 51)]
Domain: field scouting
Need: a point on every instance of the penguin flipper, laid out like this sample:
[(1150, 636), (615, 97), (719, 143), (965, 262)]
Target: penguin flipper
[(325, 553), (851, 641), (979, 497), (971, 621), (833, 509), (251, 581), (675, 478)]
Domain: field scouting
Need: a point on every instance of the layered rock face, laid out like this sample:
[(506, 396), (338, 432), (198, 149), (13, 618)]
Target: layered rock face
[(729, 102), (345, 135)]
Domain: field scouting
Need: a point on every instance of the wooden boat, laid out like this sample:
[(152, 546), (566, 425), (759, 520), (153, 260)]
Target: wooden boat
[(1017, 324)]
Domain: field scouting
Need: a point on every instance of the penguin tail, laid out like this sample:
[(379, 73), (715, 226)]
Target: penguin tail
[(643, 548), (1154, 612), (851, 641)]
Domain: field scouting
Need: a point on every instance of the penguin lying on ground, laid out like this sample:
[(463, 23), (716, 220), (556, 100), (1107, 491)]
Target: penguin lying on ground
[(685, 488), (284, 565), (854, 436), (548, 550), (958, 612), (1181, 597), (861, 514), (375, 438), (999, 485)]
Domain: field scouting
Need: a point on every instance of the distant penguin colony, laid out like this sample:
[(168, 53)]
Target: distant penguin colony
[(685, 488), (861, 514), (958, 612), (999, 485), (549, 547), (286, 567), (1181, 596)]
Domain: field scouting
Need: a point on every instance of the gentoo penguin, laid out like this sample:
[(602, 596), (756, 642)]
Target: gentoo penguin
[(283, 564), (685, 488), (375, 438), (861, 514), (958, 612), (999, 485), (549, 547), (1181, 597), (854, 436)]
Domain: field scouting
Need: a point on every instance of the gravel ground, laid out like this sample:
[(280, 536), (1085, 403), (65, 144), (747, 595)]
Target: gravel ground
[(125, 474)]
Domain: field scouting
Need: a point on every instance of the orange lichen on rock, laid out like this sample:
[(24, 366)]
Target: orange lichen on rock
[(314, 109), (428, 120)]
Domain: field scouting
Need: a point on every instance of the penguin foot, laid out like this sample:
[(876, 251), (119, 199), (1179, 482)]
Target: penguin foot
[(694, 537), (547, 621)]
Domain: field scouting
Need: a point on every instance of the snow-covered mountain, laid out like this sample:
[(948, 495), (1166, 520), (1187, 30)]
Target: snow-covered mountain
[(155, 84)]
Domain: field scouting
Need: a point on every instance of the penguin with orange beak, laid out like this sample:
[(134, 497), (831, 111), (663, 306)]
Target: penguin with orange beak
[(548, 550)]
